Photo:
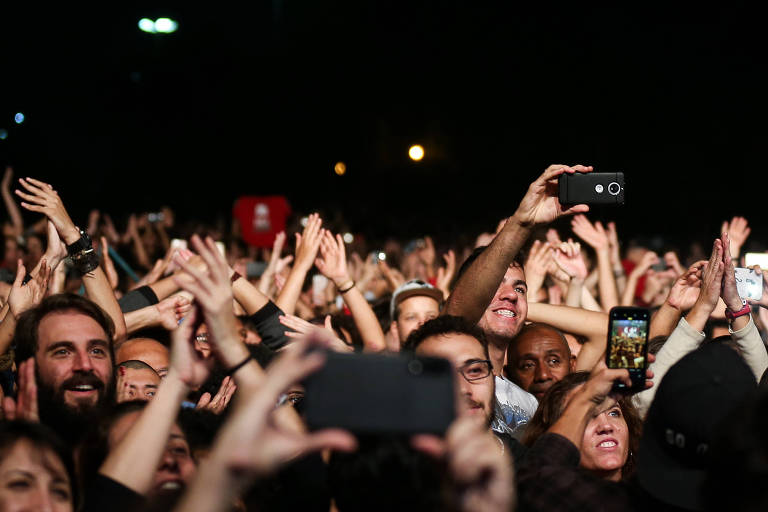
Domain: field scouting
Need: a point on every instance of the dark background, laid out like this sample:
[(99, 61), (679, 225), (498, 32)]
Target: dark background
[(265, 98)]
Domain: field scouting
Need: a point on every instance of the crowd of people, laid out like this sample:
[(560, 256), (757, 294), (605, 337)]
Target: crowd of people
[(139, 373)]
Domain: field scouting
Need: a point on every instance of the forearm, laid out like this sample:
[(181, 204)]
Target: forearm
[(141, 318), (98, 289), (477, 286), (609, 297), (7, 330), (248, 296), (365, 320), (588, 302), (141, 253), (664, 321), (13, 212), (628, 297), (573, 320), (134, 461), (575, 289), (751, 344), (164, 288), (289, 295), (574, 419)]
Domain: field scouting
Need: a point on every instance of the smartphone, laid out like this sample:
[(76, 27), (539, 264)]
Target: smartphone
[(628, 344), (756, 258), (592, 188), (748, 283), (381, 394), (156, 217), (178, 243), (377, 256)]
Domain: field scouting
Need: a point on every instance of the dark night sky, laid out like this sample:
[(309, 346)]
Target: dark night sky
[(265, 99)]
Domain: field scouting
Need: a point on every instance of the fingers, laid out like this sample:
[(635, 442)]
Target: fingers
[(205, 399), (20, 273), (328, 323), (429, 444), (333, 439)]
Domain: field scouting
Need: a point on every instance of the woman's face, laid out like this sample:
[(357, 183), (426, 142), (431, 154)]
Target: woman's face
[(33, 478), (605, 445)]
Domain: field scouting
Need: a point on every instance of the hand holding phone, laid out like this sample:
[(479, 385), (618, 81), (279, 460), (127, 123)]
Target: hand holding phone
[(628, 344)]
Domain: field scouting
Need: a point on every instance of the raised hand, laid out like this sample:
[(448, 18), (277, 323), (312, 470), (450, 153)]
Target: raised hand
[(686, 288), (25, 406), (56, 250), (567, 256), (308, 242), (218, 403), (593, 234), (332, 262), (541, 205), (648, 259), (27, 296), (303, 329), (738, 230), (480, 470), (188, 364), (427, 253), (673, 262), (729, 293), (7, 178), (393, 276), (536, 265), (171, 310), (42, 198), (712, 277)]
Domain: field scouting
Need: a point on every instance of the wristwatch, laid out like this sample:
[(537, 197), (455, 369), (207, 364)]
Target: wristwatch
[(732, 315), (82, 254)]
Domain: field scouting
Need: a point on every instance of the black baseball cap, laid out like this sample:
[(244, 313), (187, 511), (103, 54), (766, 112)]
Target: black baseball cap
[(694, 396)]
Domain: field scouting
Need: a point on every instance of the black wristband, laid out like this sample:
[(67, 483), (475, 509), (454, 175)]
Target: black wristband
[(82, 244), (239, 365)]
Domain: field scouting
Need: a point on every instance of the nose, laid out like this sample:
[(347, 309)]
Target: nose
[(543, 373), (169, 462), (605, 426), (83, 362), (41, 501), (508, 293)]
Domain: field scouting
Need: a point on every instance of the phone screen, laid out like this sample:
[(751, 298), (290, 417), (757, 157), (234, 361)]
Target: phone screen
[(628, 343), (756, 258)]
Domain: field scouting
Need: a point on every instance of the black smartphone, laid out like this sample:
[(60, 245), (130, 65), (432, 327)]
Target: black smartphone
[(592, 188), (628, 344), (381, 394)]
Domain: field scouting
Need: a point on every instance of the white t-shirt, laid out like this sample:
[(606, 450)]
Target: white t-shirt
[(517, 404)]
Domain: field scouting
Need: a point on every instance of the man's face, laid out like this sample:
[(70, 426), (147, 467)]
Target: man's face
[(413, 312), (146, 350), (136, 384), (461, 349), (177, 467), (73, 359), (506, 313), (537, 359)]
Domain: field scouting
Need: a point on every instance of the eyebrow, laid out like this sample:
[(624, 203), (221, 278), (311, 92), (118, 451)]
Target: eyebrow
[(520, 282), (150, 386)]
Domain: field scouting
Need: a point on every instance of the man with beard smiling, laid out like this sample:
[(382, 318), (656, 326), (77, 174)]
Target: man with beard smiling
[(70, 340)]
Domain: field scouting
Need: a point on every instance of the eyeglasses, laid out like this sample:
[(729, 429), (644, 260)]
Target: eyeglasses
[(475, 369)]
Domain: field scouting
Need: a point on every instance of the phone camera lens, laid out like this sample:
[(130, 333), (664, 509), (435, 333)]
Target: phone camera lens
[(415, 367), (614, 188)]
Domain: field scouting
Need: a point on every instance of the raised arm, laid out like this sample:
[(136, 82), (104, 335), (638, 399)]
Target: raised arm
[(10, 204), (134, 460), (648, 259), (41, 197), (681, 298), (540, 205), (738, 231), (250, 445), (307, 245), (595, 236), (332, 263)]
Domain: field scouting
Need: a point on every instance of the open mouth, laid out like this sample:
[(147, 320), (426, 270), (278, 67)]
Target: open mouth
[(608, 444), (506, 313)]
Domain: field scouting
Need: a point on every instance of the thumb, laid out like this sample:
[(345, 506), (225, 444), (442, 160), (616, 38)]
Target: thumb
[(328, 323)]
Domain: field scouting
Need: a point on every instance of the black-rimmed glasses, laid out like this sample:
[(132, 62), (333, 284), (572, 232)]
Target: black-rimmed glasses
[(476, 369)]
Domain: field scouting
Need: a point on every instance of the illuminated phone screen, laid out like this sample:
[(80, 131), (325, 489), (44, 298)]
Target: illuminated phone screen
[(627, 344)]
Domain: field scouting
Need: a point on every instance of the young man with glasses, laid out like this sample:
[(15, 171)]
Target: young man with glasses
[(453, 338)]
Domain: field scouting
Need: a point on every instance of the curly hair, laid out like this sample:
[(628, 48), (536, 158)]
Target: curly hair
[(554, 402)]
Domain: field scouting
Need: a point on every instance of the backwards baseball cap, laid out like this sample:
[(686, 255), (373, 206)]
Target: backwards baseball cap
[(695, 395), (413, 288)]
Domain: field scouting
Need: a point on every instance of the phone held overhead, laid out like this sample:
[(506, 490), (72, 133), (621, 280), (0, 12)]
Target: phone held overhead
[(606, 188)]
